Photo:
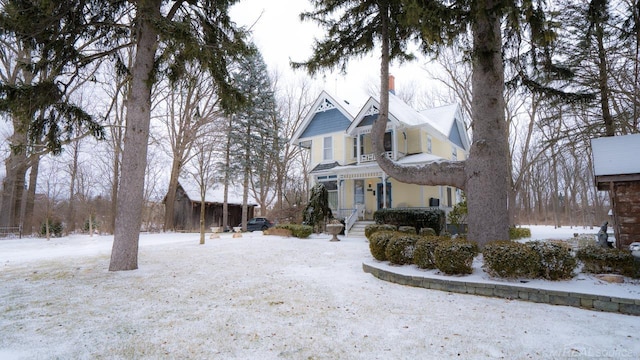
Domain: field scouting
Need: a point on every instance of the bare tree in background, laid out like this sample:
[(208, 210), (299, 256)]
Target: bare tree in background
[(191, 103), (294, 101), (202, 168)]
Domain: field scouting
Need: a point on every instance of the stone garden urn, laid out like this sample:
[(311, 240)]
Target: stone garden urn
[(334, 229)]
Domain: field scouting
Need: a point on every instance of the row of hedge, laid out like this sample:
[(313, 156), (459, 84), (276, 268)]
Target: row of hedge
[(451, 256), (535, 259), (505, 259), (555, 261), (299, 231), (416, 218)]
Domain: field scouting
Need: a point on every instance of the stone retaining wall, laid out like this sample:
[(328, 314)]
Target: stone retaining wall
[(553, 297)]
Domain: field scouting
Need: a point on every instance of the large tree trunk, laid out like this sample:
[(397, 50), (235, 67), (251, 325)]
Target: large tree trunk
[(169, 204), (603, 85), (486, 169), (13, 189), (71, 214), (484, 175), (124, 254), (28, 223)]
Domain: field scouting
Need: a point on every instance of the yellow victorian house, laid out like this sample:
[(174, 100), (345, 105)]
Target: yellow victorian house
[(341, 155)]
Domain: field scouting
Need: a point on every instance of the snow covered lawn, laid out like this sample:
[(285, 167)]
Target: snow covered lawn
[(268, 297)]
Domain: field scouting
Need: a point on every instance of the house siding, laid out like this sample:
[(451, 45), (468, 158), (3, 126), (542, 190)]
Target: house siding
[(455, 136), (338, 148), (415, 142), (326, 122)]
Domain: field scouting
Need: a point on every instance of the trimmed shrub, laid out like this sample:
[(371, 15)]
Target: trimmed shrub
[(427, 232), (407, 230), (370, 229), (509, 259), (55, 228), (400, 248), (596, 260), (418, 218), (516, 233), (556, 261), (299, 231), (455, 256), (94, 225), (424, 253), (378, 244)]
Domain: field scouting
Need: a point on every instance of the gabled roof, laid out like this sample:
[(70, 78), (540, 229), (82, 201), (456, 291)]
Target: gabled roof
[(616, 155), (327, 115), (215, 193), (400, 114), (448, 120)]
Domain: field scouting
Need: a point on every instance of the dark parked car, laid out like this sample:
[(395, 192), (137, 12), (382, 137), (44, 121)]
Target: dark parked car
[(259, 223)]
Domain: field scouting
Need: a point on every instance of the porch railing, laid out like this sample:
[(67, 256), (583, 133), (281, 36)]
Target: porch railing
[(349, 221), (372, 157)]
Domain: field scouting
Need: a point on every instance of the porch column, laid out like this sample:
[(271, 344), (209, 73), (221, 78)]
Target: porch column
[(384, 191), (340, 196), (358, 145)]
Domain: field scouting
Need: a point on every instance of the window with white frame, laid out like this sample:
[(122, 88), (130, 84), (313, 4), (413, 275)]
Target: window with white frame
[(327, 148), (429, 144), (355, 147), (454, 153)]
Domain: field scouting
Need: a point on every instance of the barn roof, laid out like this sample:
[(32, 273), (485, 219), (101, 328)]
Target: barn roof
[(215, 193), (616, 155)]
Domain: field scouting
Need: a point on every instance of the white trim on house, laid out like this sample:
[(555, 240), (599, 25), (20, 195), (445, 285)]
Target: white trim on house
[(321, 104)]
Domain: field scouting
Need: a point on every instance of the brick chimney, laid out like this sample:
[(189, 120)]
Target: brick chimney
[(392, 84)]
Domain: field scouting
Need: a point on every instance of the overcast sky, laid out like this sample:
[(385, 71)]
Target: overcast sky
[(281, 37)]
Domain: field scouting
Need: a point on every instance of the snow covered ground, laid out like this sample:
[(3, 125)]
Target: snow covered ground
[(267, 297)]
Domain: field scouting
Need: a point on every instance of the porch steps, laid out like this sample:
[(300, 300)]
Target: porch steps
[(357, 230)]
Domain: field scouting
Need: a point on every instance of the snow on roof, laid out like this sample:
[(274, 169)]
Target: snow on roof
[(616, 155), (399, 112), (215, 193), (405, 113), (420, 158), (442, 117), (347, 105)]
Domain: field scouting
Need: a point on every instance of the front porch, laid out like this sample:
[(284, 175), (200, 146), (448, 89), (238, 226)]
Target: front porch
[(357, 192)]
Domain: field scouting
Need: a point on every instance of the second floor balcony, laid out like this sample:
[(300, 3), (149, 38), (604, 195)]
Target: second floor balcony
[(372, 157)]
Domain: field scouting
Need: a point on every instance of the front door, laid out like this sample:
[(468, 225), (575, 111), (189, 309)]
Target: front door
[(380, 197)]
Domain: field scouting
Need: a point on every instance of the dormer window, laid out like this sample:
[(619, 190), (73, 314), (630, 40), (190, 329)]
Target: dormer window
[(454, 153), (429, 144), (327, 148)]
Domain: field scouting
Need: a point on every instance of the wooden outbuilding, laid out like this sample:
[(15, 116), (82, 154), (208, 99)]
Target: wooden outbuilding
[(188, 203), (616, 165)]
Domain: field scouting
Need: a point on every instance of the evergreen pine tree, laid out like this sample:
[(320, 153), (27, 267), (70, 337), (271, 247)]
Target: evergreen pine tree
[(253, 133)]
